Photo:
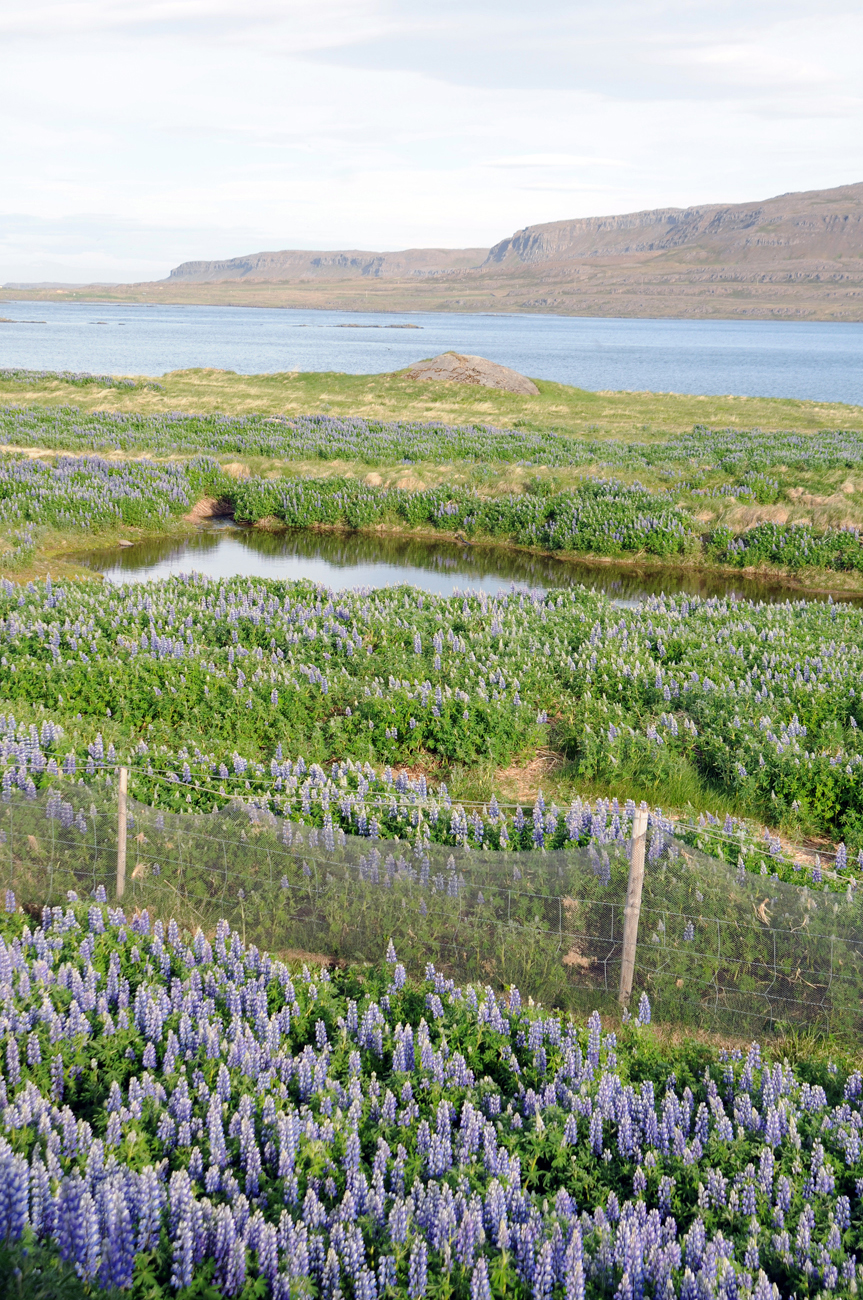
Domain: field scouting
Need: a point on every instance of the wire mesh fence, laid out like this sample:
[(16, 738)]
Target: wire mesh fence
[(719, 947)]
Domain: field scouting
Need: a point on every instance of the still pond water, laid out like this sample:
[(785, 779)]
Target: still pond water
[(346, 560)]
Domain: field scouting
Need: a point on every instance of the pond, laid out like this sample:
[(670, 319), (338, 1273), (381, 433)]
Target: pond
[(344, 560)]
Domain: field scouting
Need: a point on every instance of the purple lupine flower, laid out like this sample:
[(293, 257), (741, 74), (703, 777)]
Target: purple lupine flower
[(594, 1039), (596, 1132), (418, 1270), (13, 1061), (387, 1276), (543, 1278), (88, 1258), (42, 1208), (480, 1288), (15, 1198), (118, 1260), (365, 1286), (268, 1253), (224, 1238)]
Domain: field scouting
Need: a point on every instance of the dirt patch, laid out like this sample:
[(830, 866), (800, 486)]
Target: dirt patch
[(33, 453), (575, 960), (813, 499), (413, 773), (208, 508), (374, 480), (460, 368), (310, 958), (525, 779)]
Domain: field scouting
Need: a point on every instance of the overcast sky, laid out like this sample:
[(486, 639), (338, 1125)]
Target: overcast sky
[(136, 134)]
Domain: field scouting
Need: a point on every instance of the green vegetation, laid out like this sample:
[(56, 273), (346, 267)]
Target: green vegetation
[(754, 706), (184, 1115)]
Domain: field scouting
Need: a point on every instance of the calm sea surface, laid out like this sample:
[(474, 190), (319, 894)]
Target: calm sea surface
[(820, 361)]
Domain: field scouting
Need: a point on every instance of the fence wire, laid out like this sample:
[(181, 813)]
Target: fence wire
[(735, 951)]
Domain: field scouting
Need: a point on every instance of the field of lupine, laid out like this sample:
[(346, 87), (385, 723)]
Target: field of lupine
[(183, 1115), (212, 688), (89, 493), (596, 515), (329, 438), (188, 1116)]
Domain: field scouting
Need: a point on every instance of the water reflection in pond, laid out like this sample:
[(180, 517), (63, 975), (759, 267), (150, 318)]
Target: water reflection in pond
[(344, 560)]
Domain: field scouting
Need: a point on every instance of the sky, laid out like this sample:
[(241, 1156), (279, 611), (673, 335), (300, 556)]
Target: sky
[(137, 134)]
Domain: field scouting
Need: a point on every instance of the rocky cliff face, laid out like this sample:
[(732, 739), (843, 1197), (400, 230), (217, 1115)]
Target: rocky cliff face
[(817, 223)]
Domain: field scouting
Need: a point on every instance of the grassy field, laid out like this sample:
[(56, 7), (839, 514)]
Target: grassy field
[(643, 416)]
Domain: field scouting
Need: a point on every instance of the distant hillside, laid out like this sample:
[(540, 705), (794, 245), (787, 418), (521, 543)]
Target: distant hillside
[(296, 265), (796, 256)]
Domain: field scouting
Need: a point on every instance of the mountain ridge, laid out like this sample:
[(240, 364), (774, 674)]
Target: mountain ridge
[(332, 264), (813, 222)]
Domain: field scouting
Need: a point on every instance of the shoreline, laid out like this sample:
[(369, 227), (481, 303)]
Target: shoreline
[(638, 564), (477, 296)]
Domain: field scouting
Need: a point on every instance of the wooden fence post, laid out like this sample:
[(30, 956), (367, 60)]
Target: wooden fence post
[(122, 787), (633, 904)]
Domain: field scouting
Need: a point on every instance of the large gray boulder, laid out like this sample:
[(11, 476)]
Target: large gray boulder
[(456, 368)]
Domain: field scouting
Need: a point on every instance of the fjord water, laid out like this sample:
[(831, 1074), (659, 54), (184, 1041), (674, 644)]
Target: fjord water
[(344, 560), (820, 361)]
